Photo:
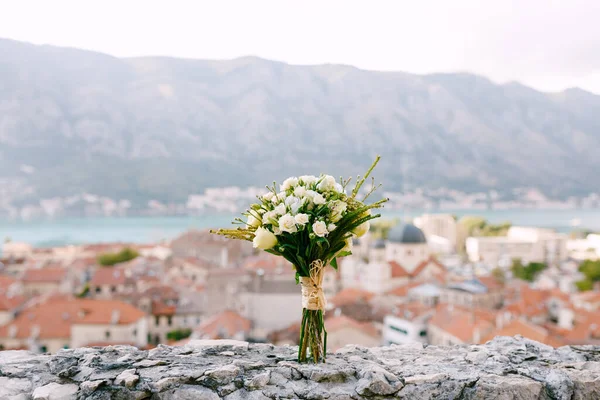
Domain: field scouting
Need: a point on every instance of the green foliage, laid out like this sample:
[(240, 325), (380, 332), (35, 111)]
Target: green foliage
[(527, 272), (85, 291), (591, 270), (478, 226), (109, 259), (179, 334), (584, 285)]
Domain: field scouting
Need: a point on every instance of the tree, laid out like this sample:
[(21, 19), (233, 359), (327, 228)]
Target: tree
[(179, 334), (591, 270), (584, 285), (124, 255), (527, 272)]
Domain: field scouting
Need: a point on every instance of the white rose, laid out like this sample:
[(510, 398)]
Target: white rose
[(287, 223), (331, 227), (281, 196), (276, 231), (320, 229), (289, 183), (309, 194), (362, 229), (280, 209), (301, 219), (267, 196), (300, 191), (338, 188), (296, 206), (268, 216), (264, 239), (327, 183), (291, 200), (253, 221), (308, 179), (318, 199)]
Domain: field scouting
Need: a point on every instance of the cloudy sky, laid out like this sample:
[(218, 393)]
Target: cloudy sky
[(547, 44)]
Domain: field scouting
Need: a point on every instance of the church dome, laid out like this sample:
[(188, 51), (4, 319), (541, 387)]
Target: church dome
[(406, 234)]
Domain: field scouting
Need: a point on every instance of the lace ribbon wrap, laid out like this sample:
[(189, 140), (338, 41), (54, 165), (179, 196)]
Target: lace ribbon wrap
[(313, 297)]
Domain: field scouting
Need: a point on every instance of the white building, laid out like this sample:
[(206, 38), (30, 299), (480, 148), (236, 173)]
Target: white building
[(408, 324), (523, 243), (585, 249), (271, 301), (439, 226), (16, 250), (385, 265)]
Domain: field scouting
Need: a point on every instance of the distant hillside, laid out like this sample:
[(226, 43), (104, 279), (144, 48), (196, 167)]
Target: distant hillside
[(163, 128)]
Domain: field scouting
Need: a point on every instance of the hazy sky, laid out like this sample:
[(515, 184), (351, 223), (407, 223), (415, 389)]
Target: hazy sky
[(547, 44)]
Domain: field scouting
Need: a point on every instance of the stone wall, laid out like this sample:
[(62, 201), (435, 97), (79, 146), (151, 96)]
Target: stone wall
[(505, 368)]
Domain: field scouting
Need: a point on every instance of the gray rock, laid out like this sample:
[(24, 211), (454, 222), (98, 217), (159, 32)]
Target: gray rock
[(149, 363), (245, 395), (189, 393), (221, 376), (11, 387), (559, 385), (89, 387), (56, 391), (376, 381), (258, 381), (504, 368), (127, 378), (492, 387)]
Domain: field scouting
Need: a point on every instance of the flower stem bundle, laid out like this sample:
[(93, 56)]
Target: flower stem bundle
[(311, 222)]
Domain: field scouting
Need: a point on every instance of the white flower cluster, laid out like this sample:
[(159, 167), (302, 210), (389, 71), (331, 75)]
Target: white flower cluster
[(306, 203)]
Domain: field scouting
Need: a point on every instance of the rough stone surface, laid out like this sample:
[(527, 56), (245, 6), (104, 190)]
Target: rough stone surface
[(505, 368)]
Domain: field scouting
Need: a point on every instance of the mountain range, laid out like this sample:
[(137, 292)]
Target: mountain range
[(75, 121)]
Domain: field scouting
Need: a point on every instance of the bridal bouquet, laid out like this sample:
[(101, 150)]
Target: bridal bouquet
[(310, 222)]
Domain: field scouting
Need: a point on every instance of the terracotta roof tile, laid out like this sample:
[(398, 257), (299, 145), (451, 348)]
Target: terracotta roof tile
[(109, 276), (402, 291), (6, 282), (412, 311), (160, 308), (43, 275), (337, 323), (11, 303), (54, 318), (351, 296), (398, 271), (528, 330), (462, 323), (423, 265), (491, 283), (223, 325)]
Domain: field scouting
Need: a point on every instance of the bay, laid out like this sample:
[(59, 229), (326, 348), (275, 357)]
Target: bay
[(65, 231)]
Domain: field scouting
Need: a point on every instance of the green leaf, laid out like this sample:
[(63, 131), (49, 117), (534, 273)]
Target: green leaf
[(334, 263), (297, 278), (344, 253)]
